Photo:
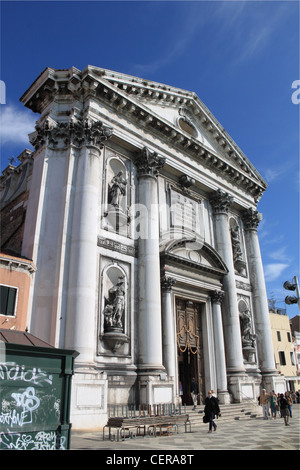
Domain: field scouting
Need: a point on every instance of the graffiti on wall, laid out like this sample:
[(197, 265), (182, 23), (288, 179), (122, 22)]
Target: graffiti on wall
[(30, 404)]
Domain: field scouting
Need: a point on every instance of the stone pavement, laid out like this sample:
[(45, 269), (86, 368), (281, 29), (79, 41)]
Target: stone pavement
[(245, 434)]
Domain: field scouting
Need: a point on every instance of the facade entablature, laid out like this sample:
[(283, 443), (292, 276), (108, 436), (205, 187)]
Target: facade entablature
[(124, 98)]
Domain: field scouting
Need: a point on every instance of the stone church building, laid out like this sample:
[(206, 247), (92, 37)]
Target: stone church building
[(141, 219)]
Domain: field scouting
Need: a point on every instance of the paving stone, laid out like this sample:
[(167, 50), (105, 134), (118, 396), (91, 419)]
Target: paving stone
[(246, 434)]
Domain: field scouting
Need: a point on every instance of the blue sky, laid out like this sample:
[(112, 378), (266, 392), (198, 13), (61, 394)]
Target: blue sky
[(240, 58)]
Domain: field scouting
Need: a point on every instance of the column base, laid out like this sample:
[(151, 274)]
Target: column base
[(272, 380), (243, 387), (89, 398), (224, 397), (155, 389)]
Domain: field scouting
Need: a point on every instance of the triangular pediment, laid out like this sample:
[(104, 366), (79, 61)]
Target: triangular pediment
[(178, 116), (185, 112)]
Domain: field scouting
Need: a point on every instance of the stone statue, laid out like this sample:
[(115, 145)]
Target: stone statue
[(117, 189), (115, 306), (248, 339), (236, 244)]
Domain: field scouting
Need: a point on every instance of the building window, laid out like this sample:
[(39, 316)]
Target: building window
[(282, 358), (289, 336), (292, 358), (8, 296), (278, 336)]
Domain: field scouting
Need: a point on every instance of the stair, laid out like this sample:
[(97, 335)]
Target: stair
[(233, 411)]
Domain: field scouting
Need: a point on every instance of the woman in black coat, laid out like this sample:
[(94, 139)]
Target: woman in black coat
[(284, 409), (211, 410)]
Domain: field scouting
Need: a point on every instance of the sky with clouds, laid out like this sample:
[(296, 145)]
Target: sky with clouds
[(240, 57)]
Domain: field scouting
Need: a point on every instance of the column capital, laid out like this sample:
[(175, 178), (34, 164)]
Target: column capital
[(221, 201), (62, 134), (251, 218), (148, 163), (217, 296), (167, 283)]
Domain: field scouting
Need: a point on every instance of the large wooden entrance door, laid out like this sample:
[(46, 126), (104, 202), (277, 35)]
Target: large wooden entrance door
[(190, 351)]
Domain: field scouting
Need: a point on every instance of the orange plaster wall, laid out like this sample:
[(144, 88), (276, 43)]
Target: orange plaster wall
[(21, 280)]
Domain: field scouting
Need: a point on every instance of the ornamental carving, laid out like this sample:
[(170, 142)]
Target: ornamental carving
[(217, 296), (63, 134), (148, 163), (187, 337), (221, 201), (167, 283), (251, 218)]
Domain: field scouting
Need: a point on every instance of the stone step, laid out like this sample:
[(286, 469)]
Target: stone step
[(234, 411)]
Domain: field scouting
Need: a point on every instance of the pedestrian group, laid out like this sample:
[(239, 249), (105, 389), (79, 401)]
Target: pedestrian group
[(272, 405), (278, 403)]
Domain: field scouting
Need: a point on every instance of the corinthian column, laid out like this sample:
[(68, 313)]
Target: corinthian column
[(265, 350), (168, 324), (81, 311), (217, 298), (234, 356), (149, 311)]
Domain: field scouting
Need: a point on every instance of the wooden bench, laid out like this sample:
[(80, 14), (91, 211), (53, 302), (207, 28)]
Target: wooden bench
[(143, 425)]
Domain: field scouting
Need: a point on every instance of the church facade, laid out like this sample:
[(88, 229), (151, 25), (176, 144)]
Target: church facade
[(142, 221)]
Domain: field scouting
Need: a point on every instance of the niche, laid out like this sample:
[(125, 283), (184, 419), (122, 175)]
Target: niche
[(116, 215), (114, 308), (248, 338), (237, 252)]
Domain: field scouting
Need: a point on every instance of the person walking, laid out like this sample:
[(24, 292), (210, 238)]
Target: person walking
[(211, 410), (264, 401), (289, 399), (284, 409), (273, 404), (194, 392)]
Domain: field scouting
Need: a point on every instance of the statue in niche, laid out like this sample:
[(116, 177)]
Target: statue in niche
[(238, 261), (117, 190), (115, 306), (236, 244), (248, 339)]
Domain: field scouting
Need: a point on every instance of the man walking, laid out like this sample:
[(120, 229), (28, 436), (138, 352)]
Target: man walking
[(194, 392), (264, 401)]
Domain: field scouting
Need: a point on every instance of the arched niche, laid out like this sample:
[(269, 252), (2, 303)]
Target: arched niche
[(117, 196), (247, 334), (237, 247), (114, 307)]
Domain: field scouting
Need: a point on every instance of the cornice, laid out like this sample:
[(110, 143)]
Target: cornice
[(128, 96), (14, 262)]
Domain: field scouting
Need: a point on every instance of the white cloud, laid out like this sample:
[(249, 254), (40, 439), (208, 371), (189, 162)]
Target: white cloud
[(250, 31), (189, 24), (16, 124), (274, 270), (280, 254)]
